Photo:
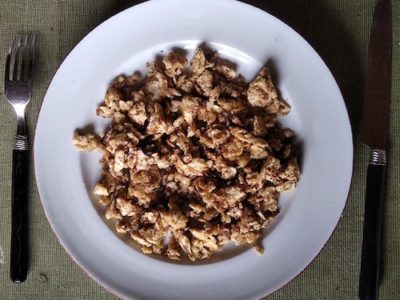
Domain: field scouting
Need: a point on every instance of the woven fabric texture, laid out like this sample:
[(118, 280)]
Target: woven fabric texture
[(337, 29)]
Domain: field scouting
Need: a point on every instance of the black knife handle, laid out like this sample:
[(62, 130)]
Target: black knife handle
[(369, 274), (19, 226)]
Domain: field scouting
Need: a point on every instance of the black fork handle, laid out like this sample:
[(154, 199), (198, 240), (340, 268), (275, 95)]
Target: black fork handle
[(19, 226)]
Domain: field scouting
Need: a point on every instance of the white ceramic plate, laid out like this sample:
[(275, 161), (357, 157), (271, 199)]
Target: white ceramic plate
[(242, 34)]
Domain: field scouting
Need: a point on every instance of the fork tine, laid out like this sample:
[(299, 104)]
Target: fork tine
[(16, 53), (25, 57), (7, 68), (31, 47)]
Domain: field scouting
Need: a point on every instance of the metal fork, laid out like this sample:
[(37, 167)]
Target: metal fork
[(18, 90)]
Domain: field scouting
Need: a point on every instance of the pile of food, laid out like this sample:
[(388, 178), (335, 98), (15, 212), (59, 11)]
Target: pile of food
[(194, 157)]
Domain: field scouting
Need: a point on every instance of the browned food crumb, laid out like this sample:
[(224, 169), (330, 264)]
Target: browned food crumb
[(194, 158), (259, 249)]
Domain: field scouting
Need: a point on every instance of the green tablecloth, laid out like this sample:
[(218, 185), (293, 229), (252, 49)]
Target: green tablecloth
[(339, 31)]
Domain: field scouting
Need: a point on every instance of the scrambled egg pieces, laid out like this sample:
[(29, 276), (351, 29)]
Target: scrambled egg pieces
[(194, 157)]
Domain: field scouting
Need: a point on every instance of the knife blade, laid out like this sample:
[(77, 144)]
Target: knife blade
[(377, 91), (375, 122)]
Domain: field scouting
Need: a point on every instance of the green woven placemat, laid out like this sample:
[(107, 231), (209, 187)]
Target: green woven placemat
[(339, 31)]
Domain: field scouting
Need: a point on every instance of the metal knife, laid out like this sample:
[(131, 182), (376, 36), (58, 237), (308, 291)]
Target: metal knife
[(375, 121)]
